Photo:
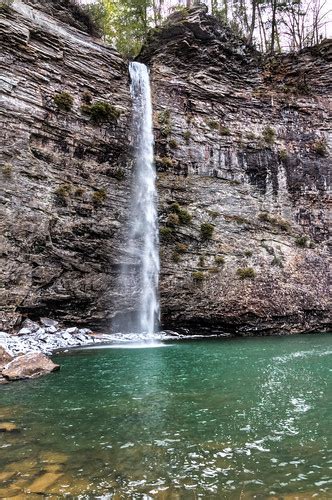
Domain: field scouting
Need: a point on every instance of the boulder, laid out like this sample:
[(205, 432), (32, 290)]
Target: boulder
[(31, 325), (24, 331), (8, 427), (28, 366), (72, 330), (51, 329)]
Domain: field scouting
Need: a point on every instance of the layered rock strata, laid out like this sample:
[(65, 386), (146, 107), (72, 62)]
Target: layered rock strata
[(65, 167), (243, 156), (242, 151)]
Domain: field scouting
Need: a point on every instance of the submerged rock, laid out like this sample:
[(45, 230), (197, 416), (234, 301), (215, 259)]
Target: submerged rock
[(8, 427), (29, 366)]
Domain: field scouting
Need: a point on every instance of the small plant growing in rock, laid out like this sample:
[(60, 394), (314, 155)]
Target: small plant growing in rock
[(5, 5), (214, 270), (198, 276), (201, 261), (277, 261), (213, 213), (63, 192), (173, 143), (165, 161), (7, 170), (220, 260), (224, 131), (206, 231), (166, 233), (164, 120), (101, 112), (277, 221), (213, 124), (99, 196), (248, 253), (165, 130), (187, 136), (283, 155), (183, 214), (176, 257), (236, 218), (64, 101), (251, 136), (87, 97), (79, 192), (269, 135), (164, 117), (181, 248), (320, 147), (119, 174), (173, 219), (302, 241), (246, 273)]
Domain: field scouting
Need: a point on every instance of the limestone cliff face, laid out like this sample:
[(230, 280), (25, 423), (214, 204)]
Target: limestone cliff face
[(243, 147), (242, 151), (64, 177)]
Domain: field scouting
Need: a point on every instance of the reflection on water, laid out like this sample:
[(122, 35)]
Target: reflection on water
[(204, 419)]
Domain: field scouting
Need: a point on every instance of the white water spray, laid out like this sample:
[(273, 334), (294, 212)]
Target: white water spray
[(143, 232)]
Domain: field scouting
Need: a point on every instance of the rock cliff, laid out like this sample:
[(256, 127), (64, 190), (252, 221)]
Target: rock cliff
[(64, 171), (242, 146), (242, 151)]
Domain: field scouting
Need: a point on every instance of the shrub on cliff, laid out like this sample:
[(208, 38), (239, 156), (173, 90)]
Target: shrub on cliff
[(101, 112), (64, 101), (246, 273), (269, 135), (206, 231), (198, 276), (99, 196), (165, 233), (320, 147), (183, 214)]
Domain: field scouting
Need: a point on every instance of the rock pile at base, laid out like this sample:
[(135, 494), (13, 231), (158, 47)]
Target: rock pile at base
[(23, 354)]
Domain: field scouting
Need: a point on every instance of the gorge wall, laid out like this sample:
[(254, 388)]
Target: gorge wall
[(242, 153)]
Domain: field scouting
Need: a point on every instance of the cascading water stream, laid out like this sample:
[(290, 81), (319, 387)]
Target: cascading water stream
[(143, 237)]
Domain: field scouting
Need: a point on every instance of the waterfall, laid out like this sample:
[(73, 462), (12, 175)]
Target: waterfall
[(143, 234)]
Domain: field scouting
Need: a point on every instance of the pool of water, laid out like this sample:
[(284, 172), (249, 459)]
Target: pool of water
[(233, 419)]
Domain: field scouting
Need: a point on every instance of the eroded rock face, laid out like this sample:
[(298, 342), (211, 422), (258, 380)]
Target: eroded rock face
[(64, 178), (29, 366), (241, 147), (244, 148)]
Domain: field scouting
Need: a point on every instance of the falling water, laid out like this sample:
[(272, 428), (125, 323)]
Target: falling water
[(143, 232)]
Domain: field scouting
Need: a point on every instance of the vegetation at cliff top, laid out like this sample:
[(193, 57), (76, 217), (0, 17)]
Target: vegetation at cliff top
[(272, 26)]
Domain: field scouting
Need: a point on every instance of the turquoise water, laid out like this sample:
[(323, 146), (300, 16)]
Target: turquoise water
[(246, 418)]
